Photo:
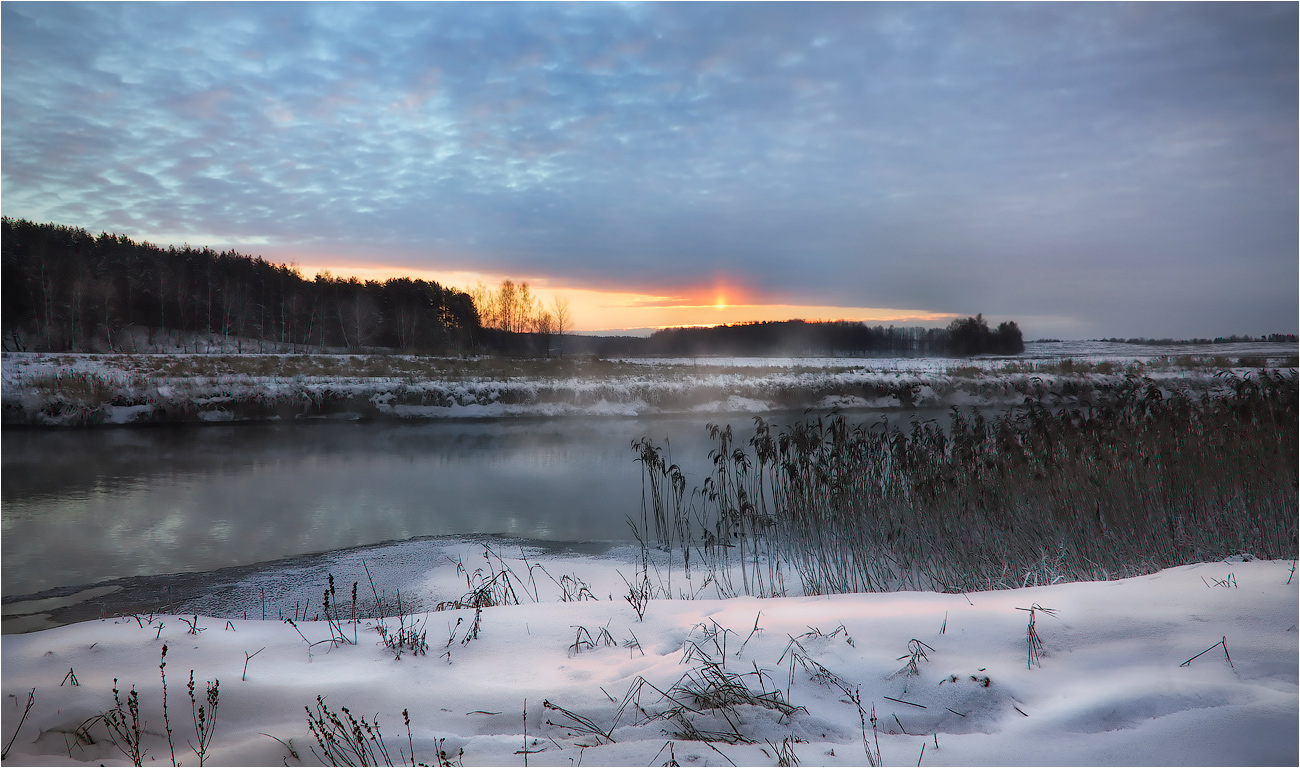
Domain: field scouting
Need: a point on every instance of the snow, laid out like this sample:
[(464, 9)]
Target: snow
[(75, 389), (735, 404), (1111, 687)]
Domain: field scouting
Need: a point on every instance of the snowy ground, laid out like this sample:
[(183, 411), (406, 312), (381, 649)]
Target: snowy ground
[(80, 389), (1112, 686)]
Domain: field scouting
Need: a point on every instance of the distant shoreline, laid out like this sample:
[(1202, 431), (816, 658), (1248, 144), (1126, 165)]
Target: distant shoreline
[(56, 390)]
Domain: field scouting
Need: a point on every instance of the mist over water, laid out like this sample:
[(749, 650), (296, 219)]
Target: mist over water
[(92, 506), (86, 506)]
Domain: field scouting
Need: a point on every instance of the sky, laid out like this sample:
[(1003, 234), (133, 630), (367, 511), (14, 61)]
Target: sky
[(1088, 170)]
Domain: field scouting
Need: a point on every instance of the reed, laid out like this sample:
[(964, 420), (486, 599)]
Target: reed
[(1127, 480), (125, 725), (204, 716), (345, 740), (31, 699), (488, 589)]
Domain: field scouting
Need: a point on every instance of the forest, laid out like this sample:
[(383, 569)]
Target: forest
[(799, 338), (969, 336), (65, 289)]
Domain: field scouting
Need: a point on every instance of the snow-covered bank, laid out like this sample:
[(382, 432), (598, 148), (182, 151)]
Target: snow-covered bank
[(90, 389), (1112, 686)]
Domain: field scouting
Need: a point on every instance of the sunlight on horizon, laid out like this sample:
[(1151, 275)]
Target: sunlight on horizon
[(612, 311)]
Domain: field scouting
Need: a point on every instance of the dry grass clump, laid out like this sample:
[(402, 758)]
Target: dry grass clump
[(80, 397), (124, 725), (1130, 480), (345, 740), (708, 703)]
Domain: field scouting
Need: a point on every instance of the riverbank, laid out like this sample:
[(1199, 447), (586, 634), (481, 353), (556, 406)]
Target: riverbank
[(1189, 666), (59, 390)]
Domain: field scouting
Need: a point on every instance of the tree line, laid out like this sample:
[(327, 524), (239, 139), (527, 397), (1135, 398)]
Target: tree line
[(969, 336), (65, 289)]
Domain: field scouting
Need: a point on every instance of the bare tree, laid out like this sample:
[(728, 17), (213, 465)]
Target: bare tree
[(511, 307), (507, 310), (525, 310), (561, 319), (484, 301), (544, 324)]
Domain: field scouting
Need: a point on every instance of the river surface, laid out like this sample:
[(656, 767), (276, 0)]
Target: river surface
[(82, 507), (86, 506)]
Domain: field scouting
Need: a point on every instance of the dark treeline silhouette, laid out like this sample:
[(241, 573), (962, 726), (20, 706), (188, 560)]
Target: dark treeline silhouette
[(793, 337), (67, 290), (970, 336), (796, 337)]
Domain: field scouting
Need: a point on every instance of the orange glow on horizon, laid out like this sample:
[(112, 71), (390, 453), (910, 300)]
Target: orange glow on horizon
[(595, 310)]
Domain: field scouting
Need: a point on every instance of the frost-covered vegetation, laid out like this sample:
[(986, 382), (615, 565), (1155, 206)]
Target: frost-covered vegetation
[(88, 389), (1122, 480)]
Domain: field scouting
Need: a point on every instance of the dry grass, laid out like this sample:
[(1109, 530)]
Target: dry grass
[(1132, 480), (84, 389)]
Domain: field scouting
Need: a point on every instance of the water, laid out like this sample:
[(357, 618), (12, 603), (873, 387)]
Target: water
[(84, 506)]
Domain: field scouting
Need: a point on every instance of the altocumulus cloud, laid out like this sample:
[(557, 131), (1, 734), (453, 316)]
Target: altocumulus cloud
[(1112, 168)]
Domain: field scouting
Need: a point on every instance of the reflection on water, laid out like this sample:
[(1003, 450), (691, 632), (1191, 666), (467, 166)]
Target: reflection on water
[(85, 506)]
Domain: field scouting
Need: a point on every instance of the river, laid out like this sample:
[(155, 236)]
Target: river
[(86, 506)]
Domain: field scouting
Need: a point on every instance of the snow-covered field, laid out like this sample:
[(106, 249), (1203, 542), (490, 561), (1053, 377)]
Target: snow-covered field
[(587, 682), (77, 389)]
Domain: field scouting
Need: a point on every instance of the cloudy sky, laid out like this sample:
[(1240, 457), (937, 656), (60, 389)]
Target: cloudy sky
[(1086, 169)]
